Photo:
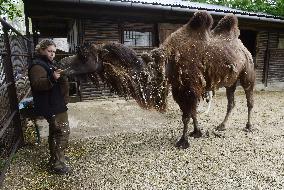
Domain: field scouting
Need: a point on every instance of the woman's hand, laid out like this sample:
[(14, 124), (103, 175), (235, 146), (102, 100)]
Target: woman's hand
[(56, 74)]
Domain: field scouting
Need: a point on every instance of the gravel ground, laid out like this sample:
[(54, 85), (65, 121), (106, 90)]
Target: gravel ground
[(117, 145)]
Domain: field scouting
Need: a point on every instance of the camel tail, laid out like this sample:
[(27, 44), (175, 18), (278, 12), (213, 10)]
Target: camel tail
[(226, 24), (201, 20)]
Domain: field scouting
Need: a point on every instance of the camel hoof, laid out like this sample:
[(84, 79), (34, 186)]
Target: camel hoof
[(196, 134), (182, 143), (248, 128), (217, 134), (221, 127)]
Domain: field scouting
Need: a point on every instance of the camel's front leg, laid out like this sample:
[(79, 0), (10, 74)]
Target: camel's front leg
[(183, 142), (230, 92), (196, 133)]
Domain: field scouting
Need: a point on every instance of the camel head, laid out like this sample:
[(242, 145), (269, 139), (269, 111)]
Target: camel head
[(86, 61)]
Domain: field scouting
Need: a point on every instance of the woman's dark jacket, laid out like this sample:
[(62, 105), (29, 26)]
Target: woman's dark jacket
[(49, 95)]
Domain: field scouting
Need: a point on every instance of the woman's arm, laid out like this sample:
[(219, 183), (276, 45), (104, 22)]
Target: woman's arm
[(39, 79)]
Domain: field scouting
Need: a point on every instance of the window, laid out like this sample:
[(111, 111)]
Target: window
[(137, 39)]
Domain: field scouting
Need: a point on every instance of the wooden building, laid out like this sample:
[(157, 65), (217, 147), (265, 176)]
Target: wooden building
[(144, 24)]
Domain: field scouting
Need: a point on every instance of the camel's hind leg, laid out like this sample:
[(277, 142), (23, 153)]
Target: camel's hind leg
[(247, 82), (250, 102), (230, 92)]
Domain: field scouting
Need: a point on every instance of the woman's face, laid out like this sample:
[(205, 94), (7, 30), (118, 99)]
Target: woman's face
[(49, 52)]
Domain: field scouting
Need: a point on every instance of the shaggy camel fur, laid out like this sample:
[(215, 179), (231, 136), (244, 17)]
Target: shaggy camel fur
[(200, 60), (193, 60), (144, 82)]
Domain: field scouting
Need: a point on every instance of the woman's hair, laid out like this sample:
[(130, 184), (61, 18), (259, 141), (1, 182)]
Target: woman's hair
[(43, 44)]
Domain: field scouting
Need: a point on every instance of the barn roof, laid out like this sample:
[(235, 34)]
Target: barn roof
[(188, 5), (183, 6), (56, 16)]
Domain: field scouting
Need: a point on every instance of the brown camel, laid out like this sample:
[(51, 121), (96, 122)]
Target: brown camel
[(200, 60), (193, 60)]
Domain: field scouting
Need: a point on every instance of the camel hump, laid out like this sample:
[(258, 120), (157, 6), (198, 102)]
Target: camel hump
[(201, 20), (227, 24)]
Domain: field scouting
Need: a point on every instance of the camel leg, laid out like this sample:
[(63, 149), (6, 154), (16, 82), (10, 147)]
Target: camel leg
[(183, 142), (250, 102), (230, 92), (247, 80), (196, 133)]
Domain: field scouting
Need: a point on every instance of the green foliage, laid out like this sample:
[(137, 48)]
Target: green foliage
[(274, 7), (10, 8)]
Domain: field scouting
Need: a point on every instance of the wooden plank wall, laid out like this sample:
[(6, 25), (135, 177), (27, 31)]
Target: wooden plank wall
[(276, 66), (143, 27), (100, 31), (273, 40), (262, 38), (165, 29), (276, 61)]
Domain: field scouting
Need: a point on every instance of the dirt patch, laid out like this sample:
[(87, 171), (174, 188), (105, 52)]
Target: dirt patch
[(106, 117), (117, 145)]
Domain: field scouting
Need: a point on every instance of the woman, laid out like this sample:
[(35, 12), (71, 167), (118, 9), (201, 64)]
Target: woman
[(50, 93)]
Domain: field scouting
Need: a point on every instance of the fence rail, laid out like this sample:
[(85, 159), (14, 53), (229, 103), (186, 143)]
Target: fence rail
[(15, 54)]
